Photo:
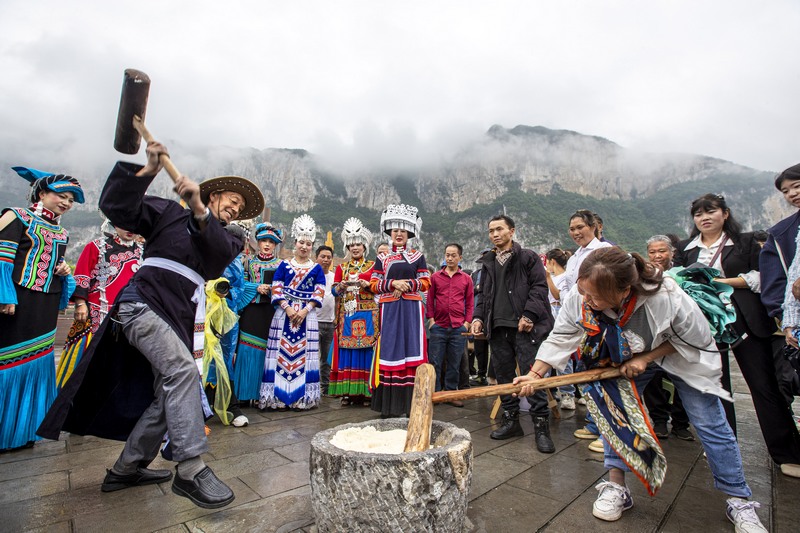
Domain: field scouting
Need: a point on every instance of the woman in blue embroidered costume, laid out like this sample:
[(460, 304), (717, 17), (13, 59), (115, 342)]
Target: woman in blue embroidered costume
[(398, 278), (625, 314), (291, 374), (35, 283), (356, 318), (256, 317), (104, 267)]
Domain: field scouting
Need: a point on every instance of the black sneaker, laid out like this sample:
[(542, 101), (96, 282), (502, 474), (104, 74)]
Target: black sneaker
[(142, 476), (478, 381), (205, 490), (660, 429), (683, 433)]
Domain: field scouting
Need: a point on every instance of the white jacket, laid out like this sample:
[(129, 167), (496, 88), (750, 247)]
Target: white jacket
[(670, 313)]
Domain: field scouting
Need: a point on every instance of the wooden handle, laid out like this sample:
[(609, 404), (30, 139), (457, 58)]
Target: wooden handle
[(418, 438), (586, 376), (169, 166)]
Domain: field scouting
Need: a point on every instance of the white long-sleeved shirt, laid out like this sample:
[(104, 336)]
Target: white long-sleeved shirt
[(670, 313), (574, 262)]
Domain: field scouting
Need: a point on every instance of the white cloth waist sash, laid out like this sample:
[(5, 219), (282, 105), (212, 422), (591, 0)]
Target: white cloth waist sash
[(199, 296)]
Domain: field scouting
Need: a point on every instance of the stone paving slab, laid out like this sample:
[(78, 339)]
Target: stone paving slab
[(56, 485)]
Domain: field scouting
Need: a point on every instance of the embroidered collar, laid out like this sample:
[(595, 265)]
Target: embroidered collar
[(40, 210), (356, 265), (296, 264), (265, 257)]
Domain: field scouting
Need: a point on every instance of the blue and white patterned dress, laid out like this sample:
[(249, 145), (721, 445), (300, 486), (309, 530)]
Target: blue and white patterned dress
[(291, 373)]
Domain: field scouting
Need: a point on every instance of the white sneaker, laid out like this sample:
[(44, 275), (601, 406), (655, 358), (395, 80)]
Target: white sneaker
[(743, 515), (612, 501), (240, 421), (584, 433), (568, 402), (790, 469), (596, 446)]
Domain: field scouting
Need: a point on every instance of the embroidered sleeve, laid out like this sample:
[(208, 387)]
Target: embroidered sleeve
[(9, 242), (67, 288), (319, 285), (277, 287), (337, 278), (378, 283), (85, 269), (8, 250), (431, 302), (423, 281)]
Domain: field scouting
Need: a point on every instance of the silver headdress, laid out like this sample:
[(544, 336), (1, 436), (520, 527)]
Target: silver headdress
[(354, 232), (401, 216), (304, 227)]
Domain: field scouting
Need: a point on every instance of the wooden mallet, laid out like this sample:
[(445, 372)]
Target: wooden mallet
[(421, 416), (130, 119)]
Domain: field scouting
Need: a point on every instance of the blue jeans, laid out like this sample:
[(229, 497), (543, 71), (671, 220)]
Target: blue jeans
[(708, 418), (567, 389), (446, 344)]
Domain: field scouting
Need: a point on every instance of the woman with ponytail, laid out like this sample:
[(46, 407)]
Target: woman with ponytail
[(625, 314)]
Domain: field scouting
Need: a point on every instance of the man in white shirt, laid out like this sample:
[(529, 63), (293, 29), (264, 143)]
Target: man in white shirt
[(325, 317)]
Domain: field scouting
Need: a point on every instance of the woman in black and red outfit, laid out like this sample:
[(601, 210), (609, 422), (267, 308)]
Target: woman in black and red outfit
[(717, 241)]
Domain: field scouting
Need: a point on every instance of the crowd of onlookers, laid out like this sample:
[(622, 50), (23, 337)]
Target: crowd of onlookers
[(286, 332)]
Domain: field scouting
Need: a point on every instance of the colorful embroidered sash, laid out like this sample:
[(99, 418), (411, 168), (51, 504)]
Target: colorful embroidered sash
[(615, 404)]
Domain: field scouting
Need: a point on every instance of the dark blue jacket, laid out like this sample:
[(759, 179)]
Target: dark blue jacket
[(780, 244)]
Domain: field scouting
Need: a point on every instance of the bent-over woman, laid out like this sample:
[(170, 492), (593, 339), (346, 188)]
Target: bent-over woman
[(626, 314)]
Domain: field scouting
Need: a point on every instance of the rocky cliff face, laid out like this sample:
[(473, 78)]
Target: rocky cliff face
[(535, 174), (526, 159)]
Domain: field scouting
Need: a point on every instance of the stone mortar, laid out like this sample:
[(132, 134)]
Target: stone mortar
[(420, 491)]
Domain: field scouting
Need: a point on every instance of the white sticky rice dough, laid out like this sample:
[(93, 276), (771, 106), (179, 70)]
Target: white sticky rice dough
[(369, 440)]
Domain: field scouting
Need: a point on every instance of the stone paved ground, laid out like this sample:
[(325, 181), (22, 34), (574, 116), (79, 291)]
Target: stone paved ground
[(55, 486)]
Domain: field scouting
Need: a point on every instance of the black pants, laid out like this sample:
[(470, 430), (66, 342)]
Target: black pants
[(509, 349), (325, 341), (657, 401), (479, 357), (755, 359), (788, 381)]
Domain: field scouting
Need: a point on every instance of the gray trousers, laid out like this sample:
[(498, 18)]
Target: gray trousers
[(176, 408), (325, 340)]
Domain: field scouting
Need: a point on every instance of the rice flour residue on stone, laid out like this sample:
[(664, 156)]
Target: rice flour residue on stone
[(370, 440)]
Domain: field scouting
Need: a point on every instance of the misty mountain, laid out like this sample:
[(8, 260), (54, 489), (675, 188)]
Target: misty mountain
[(536, 175)]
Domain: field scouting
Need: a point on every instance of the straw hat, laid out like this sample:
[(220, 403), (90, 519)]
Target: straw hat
[(253, 199)]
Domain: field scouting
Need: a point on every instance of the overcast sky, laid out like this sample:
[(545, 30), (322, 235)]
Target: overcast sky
[(378, 79)]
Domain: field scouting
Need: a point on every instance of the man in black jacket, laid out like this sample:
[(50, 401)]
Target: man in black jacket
[(138, 378), (513, 310)]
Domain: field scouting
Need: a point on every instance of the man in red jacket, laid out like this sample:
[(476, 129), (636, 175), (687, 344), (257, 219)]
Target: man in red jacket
[(449, 312)]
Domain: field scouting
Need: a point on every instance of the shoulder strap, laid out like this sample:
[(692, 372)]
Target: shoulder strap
[(719, 251)]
